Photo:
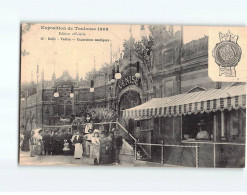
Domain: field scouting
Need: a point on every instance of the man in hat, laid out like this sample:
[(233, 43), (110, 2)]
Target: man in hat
[(202, 134), (47, 139), (118, 142)]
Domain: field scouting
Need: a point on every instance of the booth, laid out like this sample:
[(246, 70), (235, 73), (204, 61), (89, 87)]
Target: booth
[(202, 129)]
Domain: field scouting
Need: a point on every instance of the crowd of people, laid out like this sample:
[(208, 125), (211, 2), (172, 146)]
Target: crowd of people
[(101, 146)]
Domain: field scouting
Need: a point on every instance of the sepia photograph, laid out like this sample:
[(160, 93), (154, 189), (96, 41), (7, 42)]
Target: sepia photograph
[(132, 95)]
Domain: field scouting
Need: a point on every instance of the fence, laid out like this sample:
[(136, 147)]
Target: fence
[(162, 150)]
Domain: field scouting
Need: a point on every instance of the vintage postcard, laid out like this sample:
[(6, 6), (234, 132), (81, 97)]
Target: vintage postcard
[(132, 95)]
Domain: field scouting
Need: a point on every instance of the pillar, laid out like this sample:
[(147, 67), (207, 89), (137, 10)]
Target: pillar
[(215, 128), (223, 125)]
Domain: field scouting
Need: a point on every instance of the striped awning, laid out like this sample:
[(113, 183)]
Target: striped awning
[(233, 97)]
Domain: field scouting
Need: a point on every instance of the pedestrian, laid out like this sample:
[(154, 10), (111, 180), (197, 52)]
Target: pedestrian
[(77, 141), (103, 142), (55, 144), (96, 146), (71, 149), (89, 124), (109, 148), (47, 139), (21, 138), (25, 144), (88, 138), (66, 147), (39, 142), (32, 144), (118, 142)]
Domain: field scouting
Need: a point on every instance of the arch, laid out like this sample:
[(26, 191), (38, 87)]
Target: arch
[(131, 88), (196, 88)]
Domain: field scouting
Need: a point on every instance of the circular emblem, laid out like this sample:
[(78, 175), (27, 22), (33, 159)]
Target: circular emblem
[(227, 53)]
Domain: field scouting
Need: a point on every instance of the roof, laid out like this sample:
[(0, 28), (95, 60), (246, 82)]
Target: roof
[(191, 102)]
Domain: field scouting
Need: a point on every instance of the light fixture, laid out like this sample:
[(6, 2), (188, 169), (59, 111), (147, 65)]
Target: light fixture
[(22, 99), (56, 94), (92, 86), (71, 92), (71, 95), (113, 74), (91, 89), (118, 74), (137, 75)]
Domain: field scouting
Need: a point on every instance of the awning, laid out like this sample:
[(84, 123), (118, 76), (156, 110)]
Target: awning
[(233, 97)]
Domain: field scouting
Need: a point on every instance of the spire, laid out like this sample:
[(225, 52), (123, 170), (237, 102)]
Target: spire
[(131, 36), (54, 73), (111, 52), (142, 31), (77, 74), (43, 74)]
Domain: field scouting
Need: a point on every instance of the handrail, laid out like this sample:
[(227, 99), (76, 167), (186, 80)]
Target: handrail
[(181, 146), (126, 131), (170, 145), (222, 143)]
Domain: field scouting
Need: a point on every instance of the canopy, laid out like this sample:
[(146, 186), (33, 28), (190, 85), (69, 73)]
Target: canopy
[(233, 97)]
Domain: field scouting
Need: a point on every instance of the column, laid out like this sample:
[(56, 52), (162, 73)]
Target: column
[(215, 127), (223, 125)]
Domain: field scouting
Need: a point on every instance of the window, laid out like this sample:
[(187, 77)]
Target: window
[(161, 91), (191, 125), (60, 110), (154, 88), (168, 91)]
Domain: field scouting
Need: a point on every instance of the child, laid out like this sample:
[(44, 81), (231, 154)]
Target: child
[(66, 147), (96, 146)]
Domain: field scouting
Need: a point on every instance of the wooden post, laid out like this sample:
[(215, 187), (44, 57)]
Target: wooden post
[(214, 156), (135, 153), (222, 125), (162, 152), (215, 127), (197, 158)]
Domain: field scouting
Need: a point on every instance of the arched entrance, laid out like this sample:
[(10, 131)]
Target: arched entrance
[(128, 99)]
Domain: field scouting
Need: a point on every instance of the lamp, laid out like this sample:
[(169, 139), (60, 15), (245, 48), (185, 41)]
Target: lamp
[(56, 94), (113, 73), (118, 74), (137, 75), (22, 99), (92, 86), (71, 92)]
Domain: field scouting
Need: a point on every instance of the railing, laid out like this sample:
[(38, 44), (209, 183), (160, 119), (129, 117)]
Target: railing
[(120, 126), (214, 146), (168, 145)]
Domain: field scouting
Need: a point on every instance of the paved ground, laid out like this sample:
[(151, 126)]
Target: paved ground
[(62, 160)]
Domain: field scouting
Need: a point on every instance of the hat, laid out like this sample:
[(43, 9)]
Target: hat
[(95, 131)]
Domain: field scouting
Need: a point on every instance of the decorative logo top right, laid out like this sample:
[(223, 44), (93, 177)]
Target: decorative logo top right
[(227, 54)]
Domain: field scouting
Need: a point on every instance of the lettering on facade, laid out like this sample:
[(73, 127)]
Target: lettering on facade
[(129, 80)]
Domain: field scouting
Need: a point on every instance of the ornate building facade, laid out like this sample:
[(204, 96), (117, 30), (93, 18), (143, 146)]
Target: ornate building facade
[(165, 65)]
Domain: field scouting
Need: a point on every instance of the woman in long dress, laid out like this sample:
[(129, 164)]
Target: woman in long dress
[(32, 144), (96, 146), (39, 144), (77, 141)]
